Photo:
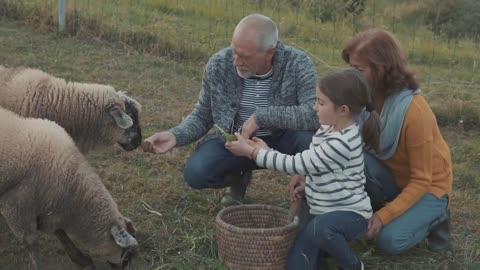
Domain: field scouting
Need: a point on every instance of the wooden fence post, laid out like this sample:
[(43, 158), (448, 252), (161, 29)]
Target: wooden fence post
[(61, 15)]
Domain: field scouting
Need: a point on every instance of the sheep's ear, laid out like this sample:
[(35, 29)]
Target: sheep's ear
[(121, 118), (122, 237)]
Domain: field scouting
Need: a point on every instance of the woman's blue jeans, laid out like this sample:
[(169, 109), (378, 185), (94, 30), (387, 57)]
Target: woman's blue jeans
[(411, 227), (211, 162), (327, 233)]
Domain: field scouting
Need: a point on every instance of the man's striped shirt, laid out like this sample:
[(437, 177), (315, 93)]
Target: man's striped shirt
[(334, 168), (255, 95)]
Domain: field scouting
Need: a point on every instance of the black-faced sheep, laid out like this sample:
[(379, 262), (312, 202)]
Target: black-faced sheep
[(46, 185), (94, 115)]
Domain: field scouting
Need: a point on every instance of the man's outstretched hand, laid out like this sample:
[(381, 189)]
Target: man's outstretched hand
[(160, 143)]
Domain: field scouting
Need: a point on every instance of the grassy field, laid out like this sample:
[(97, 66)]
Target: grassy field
[(188, 31), (167, 85)]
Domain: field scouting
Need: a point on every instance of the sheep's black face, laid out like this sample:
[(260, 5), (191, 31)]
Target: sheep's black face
[(127, 255), (132, 136)]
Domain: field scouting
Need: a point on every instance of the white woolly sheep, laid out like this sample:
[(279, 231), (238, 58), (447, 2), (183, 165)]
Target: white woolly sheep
[(94, 115), (46, 185)]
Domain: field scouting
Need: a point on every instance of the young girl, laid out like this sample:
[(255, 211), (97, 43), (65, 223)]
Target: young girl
[(334, 170)]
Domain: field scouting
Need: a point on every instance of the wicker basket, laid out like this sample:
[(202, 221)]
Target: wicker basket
[(254, 237)]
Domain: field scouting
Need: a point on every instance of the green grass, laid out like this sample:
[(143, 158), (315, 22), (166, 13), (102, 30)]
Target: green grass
[(184, 236), (156, 49), (193, 28), (189, 31)]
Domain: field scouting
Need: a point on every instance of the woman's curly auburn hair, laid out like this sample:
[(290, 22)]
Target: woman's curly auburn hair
[(386, 58)]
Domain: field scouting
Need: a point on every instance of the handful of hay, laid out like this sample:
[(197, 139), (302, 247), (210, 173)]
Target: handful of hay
[(227, 136)]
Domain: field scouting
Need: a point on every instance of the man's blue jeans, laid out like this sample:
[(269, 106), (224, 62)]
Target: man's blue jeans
[(411, 227), (211, 162), (327, 233)]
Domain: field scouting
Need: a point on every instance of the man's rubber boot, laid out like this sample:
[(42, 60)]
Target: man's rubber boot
[(235, 193)]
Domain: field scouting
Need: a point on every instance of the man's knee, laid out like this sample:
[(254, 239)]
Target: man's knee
[(195, 175)]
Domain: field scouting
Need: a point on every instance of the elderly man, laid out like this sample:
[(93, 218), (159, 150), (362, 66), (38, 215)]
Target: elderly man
[(258, 87)]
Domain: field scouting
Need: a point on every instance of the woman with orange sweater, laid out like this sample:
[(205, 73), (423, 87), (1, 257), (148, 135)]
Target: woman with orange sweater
[(410, 180)]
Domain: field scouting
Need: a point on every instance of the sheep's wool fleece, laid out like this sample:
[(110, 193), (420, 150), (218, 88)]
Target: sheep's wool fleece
[(41, 165), (25, 144), (78, 107)]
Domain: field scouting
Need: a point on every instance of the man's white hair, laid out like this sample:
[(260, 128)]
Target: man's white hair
[(265, 30)]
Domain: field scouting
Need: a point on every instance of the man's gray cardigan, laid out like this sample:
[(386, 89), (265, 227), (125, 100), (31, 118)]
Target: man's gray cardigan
[(291, 98)]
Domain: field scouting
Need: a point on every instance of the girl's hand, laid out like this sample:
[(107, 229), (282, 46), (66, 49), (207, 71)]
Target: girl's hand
[(244, 147), (298, 193), (241, 147), (296, 187), (259, 143)]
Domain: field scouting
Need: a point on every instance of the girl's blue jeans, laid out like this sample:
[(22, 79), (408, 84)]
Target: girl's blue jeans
[(327, 233)]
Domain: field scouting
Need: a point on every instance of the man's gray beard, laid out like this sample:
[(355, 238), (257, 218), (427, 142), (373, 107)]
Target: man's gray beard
[(245, 75)]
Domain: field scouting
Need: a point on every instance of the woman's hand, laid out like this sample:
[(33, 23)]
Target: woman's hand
[(375, 225)]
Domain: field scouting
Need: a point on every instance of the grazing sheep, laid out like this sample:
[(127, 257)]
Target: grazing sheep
[(46, 185), (93, 114)]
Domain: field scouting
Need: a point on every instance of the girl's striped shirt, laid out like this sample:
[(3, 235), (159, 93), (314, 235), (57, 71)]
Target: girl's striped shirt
[(334, 170)]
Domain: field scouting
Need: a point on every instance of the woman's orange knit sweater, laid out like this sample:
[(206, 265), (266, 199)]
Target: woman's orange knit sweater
[(421, 163)]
